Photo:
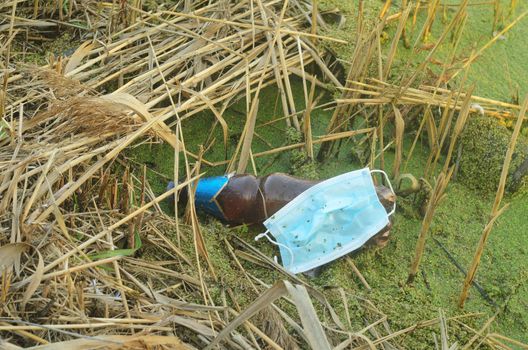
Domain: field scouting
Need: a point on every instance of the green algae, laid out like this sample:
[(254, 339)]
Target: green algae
[(500, 73), (484, 144), (458, 223)]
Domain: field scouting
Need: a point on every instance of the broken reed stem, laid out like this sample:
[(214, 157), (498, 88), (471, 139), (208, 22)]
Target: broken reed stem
[(513, 5), (496, 210), (509, 340), (380, 109), (405, 5), (399, 128), (358, 273), (314, 21), (7, 56), (432, 140), (496, 15), (307, 126), (443, 133), (395, 41), (438, 194), (35, 8), (385, 8), (459, 127), (248, 137), (431, 16)]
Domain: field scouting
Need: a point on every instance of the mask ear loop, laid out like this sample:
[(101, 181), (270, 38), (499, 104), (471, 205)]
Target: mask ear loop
[(266, 234), (390, 186)]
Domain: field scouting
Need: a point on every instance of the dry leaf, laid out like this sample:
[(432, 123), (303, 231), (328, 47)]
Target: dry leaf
[(79, 54), (10, 256), (137, 106)]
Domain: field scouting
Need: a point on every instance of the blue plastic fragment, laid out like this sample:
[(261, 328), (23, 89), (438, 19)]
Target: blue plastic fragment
[(205, 196), (206, 192)]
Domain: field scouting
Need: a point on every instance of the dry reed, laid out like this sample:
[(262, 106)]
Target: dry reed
[(88, 258)]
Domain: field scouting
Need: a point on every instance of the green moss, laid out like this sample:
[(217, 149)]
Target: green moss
[(347, 28), (484, 144), (300, 164)]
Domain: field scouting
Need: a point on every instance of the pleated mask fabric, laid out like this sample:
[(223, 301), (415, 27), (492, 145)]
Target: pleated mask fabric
[(327, 221)]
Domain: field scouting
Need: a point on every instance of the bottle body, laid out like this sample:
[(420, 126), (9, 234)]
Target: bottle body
[(247, 199)]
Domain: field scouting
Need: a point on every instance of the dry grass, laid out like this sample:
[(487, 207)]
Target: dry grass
[(74, 215)]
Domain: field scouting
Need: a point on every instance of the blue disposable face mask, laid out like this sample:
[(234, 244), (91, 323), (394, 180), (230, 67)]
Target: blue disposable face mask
[(328, 220)]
